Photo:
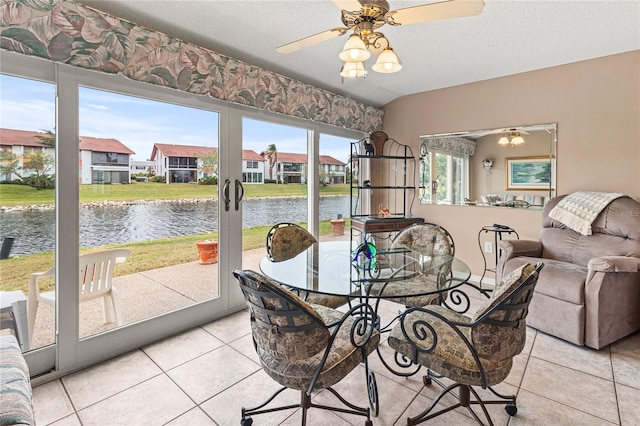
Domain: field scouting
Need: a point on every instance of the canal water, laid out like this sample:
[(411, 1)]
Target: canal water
[(34, 231)]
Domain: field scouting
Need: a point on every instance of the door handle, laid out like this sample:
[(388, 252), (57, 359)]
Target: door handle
[(239, 193), (225, 193)]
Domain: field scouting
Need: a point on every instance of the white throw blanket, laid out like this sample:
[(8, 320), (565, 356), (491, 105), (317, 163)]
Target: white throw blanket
[(577, 211)]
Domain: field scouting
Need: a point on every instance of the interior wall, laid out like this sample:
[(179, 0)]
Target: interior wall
[(596, 104)]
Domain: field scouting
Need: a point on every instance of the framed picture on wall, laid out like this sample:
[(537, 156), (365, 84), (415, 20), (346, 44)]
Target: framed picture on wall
[(530, 173)]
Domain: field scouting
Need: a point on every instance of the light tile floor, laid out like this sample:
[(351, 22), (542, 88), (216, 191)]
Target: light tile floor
[(205, 375)]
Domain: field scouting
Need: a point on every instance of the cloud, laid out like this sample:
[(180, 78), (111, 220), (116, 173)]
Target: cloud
[(102, 107), (33, 115)]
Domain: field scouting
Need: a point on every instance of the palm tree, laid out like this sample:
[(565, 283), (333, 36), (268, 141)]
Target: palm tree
[(272, 155), (47, 138)]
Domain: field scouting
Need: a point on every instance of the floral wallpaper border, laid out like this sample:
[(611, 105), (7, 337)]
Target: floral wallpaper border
[(73, 34), (452, 145)]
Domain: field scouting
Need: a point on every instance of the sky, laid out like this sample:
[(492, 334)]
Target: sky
[(139, 123)]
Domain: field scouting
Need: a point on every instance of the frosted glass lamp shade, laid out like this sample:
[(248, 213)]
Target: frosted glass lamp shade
[(517, 140), (388, 62), (354, 50), (353, 70)]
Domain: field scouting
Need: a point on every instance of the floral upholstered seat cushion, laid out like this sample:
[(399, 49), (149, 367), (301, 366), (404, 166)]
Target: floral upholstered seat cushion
[(442, 349), (343, 357), (309, 337), (394, 291), (291, 355), (425, 240), (497, 342), (287, 241), (450, 357), (426, 249), (327, 300), (15, 387)]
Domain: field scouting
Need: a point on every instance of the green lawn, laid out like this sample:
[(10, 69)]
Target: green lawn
[(20, 195), (146, 255)]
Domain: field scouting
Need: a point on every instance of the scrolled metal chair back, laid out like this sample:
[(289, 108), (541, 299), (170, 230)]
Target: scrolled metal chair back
[(282, 324), (500, 330)]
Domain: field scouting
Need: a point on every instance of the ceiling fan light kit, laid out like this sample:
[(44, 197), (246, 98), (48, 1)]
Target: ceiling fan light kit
[(355, 50), (364, 17), (516, 139)]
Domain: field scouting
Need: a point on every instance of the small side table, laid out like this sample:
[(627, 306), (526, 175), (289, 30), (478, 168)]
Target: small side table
[(497, 236), (14, 305)]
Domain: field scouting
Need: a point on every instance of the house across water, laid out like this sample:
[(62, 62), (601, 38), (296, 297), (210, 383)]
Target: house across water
[(101, 160)]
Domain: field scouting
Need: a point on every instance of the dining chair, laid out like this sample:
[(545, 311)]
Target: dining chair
[(307, 347), (95, 276), (424, 252), (287, 240), (474, 351)]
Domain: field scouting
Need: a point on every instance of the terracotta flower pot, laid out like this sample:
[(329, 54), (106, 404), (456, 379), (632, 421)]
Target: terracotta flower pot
[(337, 226), (208, 251)]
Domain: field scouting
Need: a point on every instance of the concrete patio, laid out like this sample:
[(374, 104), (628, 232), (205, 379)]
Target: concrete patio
[(147, 294)]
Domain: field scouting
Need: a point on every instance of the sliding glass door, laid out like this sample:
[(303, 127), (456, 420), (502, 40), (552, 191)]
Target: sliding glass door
[(278, 153), (27, 227), (160, 176), (148, 184), (304, 181), (148, 167), (133, 168)]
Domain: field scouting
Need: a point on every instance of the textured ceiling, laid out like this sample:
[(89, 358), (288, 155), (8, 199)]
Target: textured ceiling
[(509, 37)]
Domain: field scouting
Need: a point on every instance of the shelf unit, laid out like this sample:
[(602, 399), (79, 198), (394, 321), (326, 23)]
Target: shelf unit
[(382, 179)]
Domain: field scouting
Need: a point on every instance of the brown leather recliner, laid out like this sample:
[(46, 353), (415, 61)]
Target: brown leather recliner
[(589, 290)]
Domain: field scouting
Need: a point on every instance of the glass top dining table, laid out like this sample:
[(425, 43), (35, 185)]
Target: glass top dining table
[(328, 267)]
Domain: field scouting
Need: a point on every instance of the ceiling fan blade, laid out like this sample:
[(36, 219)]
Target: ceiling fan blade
[(350, 5), (311, 40), (435, 11)]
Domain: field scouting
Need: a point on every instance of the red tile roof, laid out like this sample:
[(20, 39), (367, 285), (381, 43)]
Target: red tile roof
[(251, 155), (169, 150), (20, 138), (327, 159), (30, 138), (290, 157), (88, 143)]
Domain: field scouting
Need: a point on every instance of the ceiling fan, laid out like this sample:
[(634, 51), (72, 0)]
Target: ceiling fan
[(365, 17)]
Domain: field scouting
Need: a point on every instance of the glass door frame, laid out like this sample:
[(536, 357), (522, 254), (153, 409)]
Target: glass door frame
[(123, 339), (313, 129), (44, 359), (70, 353)]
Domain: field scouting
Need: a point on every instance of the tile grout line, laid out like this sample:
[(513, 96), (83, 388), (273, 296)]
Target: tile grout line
[(615, 385), (76, 411)]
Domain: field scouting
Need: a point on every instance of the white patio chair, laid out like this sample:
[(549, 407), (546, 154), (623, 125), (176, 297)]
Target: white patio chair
[(94, 277)]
